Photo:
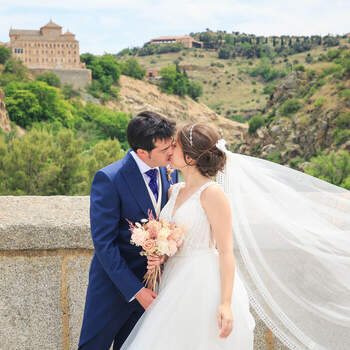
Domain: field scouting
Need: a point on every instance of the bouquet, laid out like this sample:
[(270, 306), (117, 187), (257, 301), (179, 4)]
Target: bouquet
[(156, 237)]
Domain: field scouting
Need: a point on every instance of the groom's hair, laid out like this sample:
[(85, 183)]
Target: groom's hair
[(147, 127)]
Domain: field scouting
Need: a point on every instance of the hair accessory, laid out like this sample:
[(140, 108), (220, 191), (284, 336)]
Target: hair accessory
[(191, 141)]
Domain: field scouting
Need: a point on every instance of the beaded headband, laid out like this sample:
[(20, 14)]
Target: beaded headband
[(191, 140)]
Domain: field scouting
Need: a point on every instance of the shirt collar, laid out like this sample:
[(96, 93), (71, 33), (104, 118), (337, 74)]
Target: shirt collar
[(141, 164)]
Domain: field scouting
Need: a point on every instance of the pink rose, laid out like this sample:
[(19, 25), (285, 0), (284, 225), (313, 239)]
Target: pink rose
[(172, 248), (138, 236), (149, 246)]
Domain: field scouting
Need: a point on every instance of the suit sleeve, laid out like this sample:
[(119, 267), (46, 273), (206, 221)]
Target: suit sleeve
[(104, 223)]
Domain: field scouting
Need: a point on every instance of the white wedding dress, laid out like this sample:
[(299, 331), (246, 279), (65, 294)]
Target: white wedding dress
[(184, 315)]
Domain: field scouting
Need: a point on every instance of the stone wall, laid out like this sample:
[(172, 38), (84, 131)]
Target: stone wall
[(4, 120), (77, 77), (45, 254)]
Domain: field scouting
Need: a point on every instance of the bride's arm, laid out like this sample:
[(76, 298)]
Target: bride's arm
[(217, 208)]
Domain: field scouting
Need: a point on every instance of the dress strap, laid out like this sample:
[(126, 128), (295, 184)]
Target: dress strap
[(203, 187)]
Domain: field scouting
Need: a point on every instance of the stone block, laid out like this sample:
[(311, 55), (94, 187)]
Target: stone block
[(30, 303)]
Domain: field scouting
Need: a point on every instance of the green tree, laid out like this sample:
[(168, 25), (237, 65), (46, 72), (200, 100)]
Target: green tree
[(23, 108), (132, 68), (40, 163), (50, 79), (5, 54)]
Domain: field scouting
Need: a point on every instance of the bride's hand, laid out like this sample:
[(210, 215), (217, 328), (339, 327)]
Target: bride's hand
[(225, 320), (155, 260)]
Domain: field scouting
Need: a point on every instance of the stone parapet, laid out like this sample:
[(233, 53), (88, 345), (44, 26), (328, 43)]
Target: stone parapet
[(45, 254)]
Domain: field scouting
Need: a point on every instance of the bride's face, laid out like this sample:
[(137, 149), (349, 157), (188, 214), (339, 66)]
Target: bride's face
[(177, 160)]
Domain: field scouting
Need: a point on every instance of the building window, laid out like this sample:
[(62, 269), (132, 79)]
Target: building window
[(42, 60), (37, 59), (25, 44), (68, 52), (46, 45), (46, 52), (30, 60), (47, 60), (75, 60), (37, 52), (50, 45), (75, 52), (51, 52)]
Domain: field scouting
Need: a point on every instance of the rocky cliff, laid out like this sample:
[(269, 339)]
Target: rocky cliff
[(318, 123)]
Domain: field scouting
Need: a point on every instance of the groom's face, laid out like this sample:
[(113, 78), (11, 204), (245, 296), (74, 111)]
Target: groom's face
[(160, 154)]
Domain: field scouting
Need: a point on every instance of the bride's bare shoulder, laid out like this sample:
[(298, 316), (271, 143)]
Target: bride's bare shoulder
[(213, 195)]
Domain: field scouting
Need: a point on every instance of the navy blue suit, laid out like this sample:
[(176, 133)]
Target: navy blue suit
[(118, 192)]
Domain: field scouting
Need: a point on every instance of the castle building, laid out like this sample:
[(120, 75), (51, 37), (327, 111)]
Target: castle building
[(45, 48), (185, 40)]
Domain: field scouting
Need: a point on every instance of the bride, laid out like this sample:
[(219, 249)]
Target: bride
[(291, 244), (202, 303)]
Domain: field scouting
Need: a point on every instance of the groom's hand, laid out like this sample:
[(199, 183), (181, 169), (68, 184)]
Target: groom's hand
[(145, 297)]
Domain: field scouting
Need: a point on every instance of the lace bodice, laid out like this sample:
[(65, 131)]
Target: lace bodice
[(192, 216)]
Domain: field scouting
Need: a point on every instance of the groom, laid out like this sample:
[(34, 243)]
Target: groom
[(126, 189)]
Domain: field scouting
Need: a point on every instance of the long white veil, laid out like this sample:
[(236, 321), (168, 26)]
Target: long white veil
[(292, 249)]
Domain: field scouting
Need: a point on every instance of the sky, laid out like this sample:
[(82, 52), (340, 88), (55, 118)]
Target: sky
[(111, 25)]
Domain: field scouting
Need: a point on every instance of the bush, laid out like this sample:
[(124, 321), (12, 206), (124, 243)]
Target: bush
[(343, 121), (133, 69), (50, 79), (332, 54), (299, 68), (5, 54), (275, 157), (334, 167), (290, 106), (237, 118), (255, 123), (341, 136)]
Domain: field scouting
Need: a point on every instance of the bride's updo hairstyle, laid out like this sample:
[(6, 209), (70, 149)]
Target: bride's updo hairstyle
[(198, 141)]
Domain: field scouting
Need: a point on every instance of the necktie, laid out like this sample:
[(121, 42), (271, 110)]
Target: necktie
[(153, 174)]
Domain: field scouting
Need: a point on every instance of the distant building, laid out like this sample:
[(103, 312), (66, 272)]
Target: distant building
[(45, 48), (48, 49), (185, 40)]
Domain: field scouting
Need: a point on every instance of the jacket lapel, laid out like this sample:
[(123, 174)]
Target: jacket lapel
[(136, 185)]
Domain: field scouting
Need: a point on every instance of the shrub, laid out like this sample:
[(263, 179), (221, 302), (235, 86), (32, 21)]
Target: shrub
[(50, 79), (275, 157), (255, 123), (343, 121), (334, 167), (290, 106)]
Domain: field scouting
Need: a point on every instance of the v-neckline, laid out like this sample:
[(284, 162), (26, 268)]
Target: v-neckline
[(172, 214)]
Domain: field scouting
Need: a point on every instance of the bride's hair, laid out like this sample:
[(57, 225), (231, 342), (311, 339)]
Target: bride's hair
[(198, 141)]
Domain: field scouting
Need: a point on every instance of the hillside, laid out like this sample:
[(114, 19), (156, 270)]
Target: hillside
[(307, 114), (136, 95), (228, 88)]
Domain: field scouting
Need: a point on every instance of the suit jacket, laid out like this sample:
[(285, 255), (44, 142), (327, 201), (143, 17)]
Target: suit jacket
[(118, 192)]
